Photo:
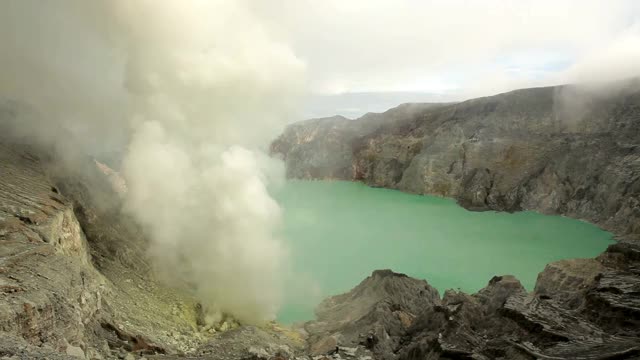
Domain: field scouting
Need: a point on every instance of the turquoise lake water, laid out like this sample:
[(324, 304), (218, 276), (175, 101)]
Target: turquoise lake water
[(339, 232)]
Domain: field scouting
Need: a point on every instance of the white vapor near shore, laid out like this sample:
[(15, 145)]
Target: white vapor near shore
[(197, 89)]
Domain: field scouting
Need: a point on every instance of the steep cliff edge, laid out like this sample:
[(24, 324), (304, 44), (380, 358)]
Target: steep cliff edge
[(570, 150)]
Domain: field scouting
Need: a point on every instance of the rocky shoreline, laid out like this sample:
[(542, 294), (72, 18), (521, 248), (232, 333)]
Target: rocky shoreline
[(75, 282)]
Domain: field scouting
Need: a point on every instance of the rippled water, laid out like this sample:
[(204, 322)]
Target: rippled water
[(339, 232)]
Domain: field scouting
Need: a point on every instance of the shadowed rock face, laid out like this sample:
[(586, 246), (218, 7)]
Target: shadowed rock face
[(581, 309), (571, 150), (375, 314)]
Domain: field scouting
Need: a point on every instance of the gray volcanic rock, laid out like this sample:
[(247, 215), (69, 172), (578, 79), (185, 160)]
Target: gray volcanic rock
[(375, 314), (568, 280), (571, 150), (501, 321)]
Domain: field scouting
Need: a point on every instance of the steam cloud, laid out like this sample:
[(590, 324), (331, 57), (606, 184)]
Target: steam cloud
[(196, 89)]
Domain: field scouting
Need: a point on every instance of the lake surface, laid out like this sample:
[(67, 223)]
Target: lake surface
[(339, 232)]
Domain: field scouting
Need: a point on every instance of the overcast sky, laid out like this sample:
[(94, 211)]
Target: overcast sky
[(458, 48), (384, 51)]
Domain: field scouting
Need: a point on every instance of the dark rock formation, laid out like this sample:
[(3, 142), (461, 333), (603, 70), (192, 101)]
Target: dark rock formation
[(571, 150), (579, 310), (375, 314)]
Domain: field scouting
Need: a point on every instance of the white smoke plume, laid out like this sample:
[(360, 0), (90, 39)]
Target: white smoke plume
[(196, 89)]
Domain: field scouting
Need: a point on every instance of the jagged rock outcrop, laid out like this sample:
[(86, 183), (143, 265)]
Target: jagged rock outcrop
[(375, 314), (571, 150), (501, 321)]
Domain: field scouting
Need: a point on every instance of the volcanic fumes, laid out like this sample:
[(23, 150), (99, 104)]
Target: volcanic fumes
[(193, 91)]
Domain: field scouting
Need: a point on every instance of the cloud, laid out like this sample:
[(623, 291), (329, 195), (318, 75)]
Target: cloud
[(618, 59), (413, 45)]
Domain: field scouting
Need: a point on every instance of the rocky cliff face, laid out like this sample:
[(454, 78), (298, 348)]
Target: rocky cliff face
[(571, 150)]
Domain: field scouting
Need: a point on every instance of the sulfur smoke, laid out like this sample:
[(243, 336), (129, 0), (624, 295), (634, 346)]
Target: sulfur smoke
[(195, 90)]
